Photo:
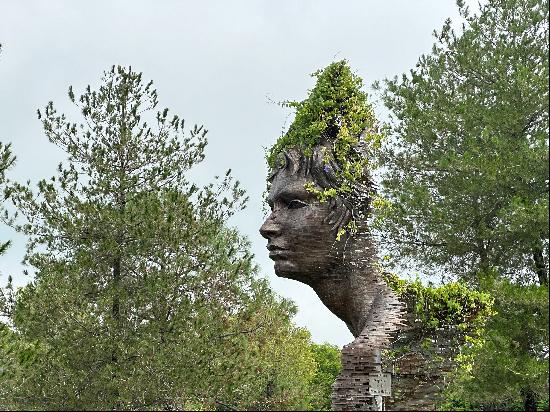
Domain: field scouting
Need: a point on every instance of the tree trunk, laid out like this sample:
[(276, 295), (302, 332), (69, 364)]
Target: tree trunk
[(529, 400), (540, 267)]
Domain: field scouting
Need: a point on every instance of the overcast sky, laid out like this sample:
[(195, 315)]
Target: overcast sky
[(217, 63)]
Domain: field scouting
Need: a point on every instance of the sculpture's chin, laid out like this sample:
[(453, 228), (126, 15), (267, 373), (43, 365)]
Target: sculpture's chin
[(283, 268), (288, 270)]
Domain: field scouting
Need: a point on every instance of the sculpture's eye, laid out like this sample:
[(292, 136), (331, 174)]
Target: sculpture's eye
[(296, 204)]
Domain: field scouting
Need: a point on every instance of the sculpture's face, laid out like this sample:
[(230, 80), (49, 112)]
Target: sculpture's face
[(299, 230)]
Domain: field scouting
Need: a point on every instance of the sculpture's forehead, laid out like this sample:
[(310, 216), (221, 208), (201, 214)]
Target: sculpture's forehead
[(285, 183)]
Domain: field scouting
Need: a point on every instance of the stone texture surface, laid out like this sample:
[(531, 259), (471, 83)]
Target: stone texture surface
[(361, 359)]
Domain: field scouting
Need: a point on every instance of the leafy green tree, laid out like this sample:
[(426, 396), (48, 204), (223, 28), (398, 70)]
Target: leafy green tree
[(329, 365), (507, 369), (143, 298), (467, 169), (466, 187)]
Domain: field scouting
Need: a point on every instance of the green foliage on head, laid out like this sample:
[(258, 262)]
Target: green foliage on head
[(335, 114), (336, 128)]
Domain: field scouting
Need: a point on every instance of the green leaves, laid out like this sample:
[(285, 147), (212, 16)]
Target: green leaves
[(336, 110), (513, 348), (7, 160), (466, 192), (451, 305), (336, 119), (327, 359), (144, 298), (469, 137)]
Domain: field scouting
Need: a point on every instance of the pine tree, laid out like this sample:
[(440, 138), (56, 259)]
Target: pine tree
[(143, 297), (7, 160), (467, 167), (466, 188)]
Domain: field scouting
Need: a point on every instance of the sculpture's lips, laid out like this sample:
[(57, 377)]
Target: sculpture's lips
[(277, 252)]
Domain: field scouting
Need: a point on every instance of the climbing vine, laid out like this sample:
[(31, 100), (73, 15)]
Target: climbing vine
[(451, 305), (444, 322)]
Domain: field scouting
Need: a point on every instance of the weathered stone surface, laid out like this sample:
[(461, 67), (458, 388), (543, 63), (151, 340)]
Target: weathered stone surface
[(419, 360)]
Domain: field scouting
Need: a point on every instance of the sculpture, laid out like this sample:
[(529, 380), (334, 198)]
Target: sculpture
[(320, 194), (302, 236)]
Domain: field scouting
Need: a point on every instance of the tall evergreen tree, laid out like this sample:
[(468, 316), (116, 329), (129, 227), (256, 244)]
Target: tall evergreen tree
[(143, 298), (466, 188), (7, 159), (467, 179)]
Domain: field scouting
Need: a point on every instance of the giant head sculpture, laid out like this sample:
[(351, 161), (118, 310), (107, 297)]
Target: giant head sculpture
[(322, 242), (320, 193), (304, 231), (317, 233)]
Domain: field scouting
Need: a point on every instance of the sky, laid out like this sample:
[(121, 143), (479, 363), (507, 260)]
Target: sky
[(222, 64)]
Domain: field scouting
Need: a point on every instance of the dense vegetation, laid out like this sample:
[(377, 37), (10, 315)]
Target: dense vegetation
[(467, 164), (145, 298), (465, 191), (337, 116)]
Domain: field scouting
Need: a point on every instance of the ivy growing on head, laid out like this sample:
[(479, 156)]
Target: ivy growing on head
[(336, 116)]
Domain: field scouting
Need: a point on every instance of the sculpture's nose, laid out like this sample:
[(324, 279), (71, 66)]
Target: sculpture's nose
[(270, 228)]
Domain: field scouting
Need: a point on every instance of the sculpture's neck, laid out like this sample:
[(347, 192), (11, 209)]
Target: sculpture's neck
[(350, 295)]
